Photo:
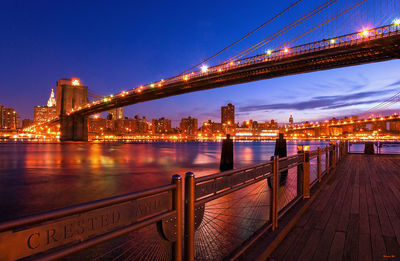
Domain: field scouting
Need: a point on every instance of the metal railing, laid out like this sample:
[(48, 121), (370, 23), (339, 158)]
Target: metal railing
[(63, 232), (226, 212), (223, 214), (381, 147)]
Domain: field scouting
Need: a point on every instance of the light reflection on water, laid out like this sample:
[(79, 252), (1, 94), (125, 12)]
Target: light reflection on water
[(37, 177)]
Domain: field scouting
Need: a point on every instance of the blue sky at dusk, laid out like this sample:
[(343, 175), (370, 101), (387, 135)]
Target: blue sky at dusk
[(118, 45)]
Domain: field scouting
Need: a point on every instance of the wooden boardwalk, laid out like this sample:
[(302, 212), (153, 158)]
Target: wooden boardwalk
[(355, 217)]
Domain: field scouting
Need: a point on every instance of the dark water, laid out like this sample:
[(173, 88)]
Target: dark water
[(36, 177)]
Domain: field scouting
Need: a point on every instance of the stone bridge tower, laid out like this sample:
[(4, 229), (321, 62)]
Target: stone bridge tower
[(70, 95)]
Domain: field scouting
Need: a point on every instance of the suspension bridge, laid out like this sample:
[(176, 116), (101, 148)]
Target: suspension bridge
[(332, 205), (366, 46)]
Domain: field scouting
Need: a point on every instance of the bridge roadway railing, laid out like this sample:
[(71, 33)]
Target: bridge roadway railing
[(218, 217), (259, 60), (340, 41)]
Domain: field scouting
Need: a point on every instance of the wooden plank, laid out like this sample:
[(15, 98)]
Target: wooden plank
[(392, 248), (345, 214), (323, 248), (288, 242), (377, 243), (364, 248), (336, 250), (356, 217), (364, 220), (299, 244), (309, 249), (352, 238), (355, 200), (386, 227)]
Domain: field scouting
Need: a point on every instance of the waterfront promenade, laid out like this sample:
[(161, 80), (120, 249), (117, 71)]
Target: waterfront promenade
[(356, 215)]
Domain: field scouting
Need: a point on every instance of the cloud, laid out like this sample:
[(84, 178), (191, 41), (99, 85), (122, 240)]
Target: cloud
[(323, 102), (397, 83)]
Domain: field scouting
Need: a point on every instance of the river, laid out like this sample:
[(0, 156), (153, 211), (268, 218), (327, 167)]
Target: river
[(36, 177)]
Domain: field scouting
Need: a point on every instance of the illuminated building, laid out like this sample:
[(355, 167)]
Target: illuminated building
[(291, 121), (272, 133), (117, 113), (394, 126), (52, 101), (244, 132), (228, 114), (27, 123), (45, 113), (70, 95), (129, 125), (161, 125), (9, 118), (142, 126), (1, 116), (188, 126), (96, 125)]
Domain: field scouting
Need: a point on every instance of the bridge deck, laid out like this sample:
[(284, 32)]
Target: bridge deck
[(355, 217)]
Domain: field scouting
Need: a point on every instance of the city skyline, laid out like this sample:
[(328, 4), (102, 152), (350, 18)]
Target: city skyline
[(97, 59)]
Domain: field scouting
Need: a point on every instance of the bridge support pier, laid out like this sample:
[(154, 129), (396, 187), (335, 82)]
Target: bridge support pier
[(74, 128)]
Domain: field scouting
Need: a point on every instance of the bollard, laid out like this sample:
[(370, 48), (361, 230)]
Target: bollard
[(189, 216), (319, 164), (274, 195), (226, 162), (281, 151), (177, 205), (306, 173)]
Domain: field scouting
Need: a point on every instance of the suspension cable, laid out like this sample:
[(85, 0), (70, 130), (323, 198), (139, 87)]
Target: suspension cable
[(244, 37), (282, 31), (309, 31)]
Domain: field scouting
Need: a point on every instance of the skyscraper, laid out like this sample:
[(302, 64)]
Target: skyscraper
[(52, 101), (291, 120), (45, 113), (228, 114)]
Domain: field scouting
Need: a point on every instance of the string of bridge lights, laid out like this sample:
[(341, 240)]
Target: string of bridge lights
[(269, 55)]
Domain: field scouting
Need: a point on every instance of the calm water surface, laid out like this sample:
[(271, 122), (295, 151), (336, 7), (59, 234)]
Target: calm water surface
[(37, 177)]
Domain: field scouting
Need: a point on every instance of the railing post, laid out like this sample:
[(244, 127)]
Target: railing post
[(306, 174), (189, 216), (327, 159), (300, 171), (177, 205), (333, 148), (342, 151), (319, 164), (274, 194)]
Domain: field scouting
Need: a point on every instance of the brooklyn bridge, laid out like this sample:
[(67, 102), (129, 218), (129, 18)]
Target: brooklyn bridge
[(368, 46)]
